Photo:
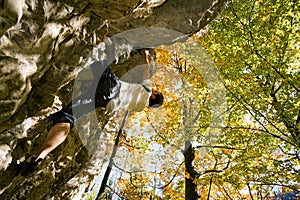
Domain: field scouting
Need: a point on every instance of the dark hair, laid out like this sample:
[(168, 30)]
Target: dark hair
[(157, 101)]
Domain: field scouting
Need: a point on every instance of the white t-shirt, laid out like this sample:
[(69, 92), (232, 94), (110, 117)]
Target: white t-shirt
[(132, 97)]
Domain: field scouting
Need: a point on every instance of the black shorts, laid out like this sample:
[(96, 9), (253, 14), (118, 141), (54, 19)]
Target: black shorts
[(101, 92)]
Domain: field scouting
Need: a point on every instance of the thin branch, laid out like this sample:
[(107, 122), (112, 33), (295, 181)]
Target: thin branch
[(116, 193), (275, 184), (268, 193), (255, 51), (290, 154), (263, 116), (214, 170), (246, 104), (131, 181), (238, 191), (251, 11), (247, 128), (277, 90), (155, 130), (123, 170), (259, 193), (278, 108), (250, 192), (197, 117), (160, 187), (236, 16), (210, 184), (298, 119), (166, 185), (218, 147), (226, 193)]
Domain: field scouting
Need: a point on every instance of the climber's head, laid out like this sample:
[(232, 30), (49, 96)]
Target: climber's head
[(156, 99)]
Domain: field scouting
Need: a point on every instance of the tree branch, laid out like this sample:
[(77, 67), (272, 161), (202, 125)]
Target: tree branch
[(166, 185), (210, 184), (218, 147), (246, 104), (116, 193), (155, 130), (255, 51), (250, 192), (288, 124), (226, 193), (123, 170), (249, 128), (296, 155)]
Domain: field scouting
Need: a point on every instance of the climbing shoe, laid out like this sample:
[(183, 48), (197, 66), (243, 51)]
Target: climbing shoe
[(27, 168)]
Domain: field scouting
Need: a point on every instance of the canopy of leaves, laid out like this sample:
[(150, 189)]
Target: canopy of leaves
[(255, 45)]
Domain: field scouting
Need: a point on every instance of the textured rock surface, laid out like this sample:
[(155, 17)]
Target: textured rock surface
[(43, 46)]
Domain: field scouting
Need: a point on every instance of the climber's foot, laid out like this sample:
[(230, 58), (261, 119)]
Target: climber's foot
[(30, 165)]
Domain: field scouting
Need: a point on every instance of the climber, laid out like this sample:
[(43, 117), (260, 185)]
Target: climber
[(111, 93)]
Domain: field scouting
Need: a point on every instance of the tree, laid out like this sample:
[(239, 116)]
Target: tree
[(255, 45)]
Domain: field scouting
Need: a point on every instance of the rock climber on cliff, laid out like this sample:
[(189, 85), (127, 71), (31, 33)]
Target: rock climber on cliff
[(111, 93)]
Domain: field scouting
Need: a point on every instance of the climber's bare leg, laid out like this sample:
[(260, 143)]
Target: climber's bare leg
[(57, 134)]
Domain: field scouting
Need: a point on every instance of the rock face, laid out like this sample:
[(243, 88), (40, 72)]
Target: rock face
[(43, 46)]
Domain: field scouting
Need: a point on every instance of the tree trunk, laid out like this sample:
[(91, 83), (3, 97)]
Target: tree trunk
[(190, 185)]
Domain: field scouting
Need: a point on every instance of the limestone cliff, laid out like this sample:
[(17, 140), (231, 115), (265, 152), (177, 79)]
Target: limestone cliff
[(43, 46)]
